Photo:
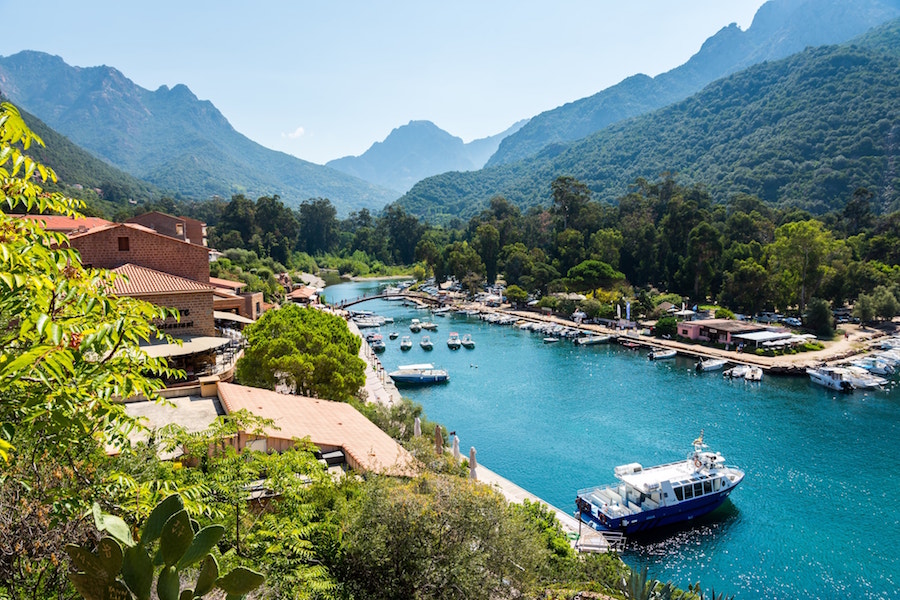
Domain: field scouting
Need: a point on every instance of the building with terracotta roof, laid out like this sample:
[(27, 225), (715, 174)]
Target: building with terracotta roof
[(303, 295), (117, 244), (193, 299), (332, 426), (66, 225), (180, 228)]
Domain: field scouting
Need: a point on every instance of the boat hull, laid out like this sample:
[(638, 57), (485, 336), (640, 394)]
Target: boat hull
[(417, 380), (660, 517)]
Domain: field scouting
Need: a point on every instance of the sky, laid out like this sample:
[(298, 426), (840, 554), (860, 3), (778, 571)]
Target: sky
[(326, 79)]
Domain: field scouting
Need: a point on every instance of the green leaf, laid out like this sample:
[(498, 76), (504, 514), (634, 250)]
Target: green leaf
[(176, 537), (167, 585), (89, 587), (85, 561), (209, 573), (186, 595), (203, 542), (116, 527), (137, 571), (158, 517), (240, 581), (109, 553)]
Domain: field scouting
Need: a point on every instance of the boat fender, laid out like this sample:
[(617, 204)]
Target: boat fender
[(697, 463)]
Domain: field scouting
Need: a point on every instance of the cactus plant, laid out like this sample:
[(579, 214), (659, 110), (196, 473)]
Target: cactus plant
[(122, 568)]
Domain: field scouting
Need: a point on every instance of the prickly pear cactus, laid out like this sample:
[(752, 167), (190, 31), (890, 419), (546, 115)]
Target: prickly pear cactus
[(122, 568)]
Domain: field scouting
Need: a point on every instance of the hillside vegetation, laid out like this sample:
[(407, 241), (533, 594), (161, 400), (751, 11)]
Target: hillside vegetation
[(805, 132), (169, 137), (780, 28)]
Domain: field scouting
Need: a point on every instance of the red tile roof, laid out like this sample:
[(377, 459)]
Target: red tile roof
[(302, 293), (136, 227), (64, 224), (227, 283), (326, 423), (142, 280)]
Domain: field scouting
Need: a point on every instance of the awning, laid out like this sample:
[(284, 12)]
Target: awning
[(227, 316), (190, 345)]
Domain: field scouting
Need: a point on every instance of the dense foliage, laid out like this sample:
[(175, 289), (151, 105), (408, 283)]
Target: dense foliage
[(308, 351), (804, 132)]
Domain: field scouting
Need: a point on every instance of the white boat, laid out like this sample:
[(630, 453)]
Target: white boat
[(754, 374), (394, 335), (442, 311), (467, 341), (835, 378), (662, 353), (737, 372), (377, 344), (405, 343), (862, 379), (419, 374), (873, 365), (551, 340), (590, 340), (415, 326), (453, 342), (429, 326), (711, 364), (426, 343), (662, 495)]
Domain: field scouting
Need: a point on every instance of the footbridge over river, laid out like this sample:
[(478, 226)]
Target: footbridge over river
[(418, 297)]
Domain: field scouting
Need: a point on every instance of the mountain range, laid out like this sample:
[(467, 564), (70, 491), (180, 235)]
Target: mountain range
[(806, 131), (780, 28), (418, 150), (168, 137)]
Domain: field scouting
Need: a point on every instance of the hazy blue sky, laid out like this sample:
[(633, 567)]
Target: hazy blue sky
[(326, 79)]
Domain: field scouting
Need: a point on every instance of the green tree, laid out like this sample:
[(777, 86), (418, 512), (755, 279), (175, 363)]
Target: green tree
[(569, 197), (666, 326), (886, 305), (818, 318), (516, 295), (746, 287), (798, 257), (68, 351), (461, 259), (309, 351), (318, 226), (704, 249), (864, 308), (437, 537), (606, 246), (591, 274), (487, 242)]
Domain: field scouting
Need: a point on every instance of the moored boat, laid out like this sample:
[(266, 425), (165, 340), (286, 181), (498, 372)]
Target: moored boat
[(426, 343), (467, 341), (831, 377), (394, 335), (661, 495), (591, 340), (737, 372), (754, 374), (551, 340), (710, 364), (377, 344), (405, 343), (415, 326), (429, 326), (453, 342), (661, 353), (418, 374)]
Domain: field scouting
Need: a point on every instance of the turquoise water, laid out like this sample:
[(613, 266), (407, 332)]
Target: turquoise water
[(816, 516)]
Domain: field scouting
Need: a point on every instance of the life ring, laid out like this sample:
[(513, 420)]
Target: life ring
[(697, 463)]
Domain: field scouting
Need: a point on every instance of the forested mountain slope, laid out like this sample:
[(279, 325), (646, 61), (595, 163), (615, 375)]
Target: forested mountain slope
[(805, 131), (779, 29), (168, 137)]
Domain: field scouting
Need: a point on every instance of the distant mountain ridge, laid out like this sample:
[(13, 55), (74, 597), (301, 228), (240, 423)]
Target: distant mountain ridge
[(780, 28), (806, 131), (418, 150), (168, 137)]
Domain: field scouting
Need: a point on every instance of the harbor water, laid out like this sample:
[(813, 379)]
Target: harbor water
[(816, 516)]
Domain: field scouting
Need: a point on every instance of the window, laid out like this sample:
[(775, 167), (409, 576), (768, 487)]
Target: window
[(123, 244), (698, 489), (688, 492), (707, 487), (679, 493)]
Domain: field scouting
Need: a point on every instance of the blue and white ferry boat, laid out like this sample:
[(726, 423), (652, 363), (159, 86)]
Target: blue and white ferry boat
[(660, 495)]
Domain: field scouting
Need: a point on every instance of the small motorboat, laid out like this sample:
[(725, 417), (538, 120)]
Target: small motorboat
[(426, 343), (415, 326), (405, 343), (429, 326), (737, 372), (754, 374), (551, 340), (453, 342), (423, 374), (393, 335), (591, 340), (377, 344), (710, 364), (467, 341), (661, 353)]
